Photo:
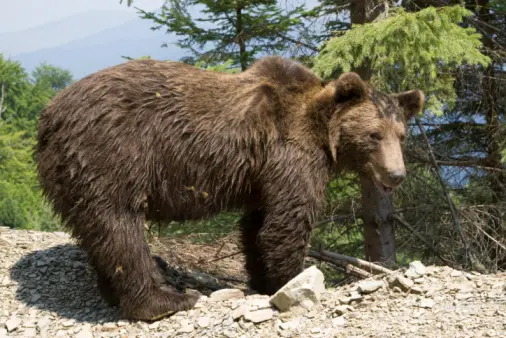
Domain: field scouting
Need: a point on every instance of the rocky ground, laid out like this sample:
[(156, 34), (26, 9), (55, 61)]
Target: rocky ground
[(48, 290)]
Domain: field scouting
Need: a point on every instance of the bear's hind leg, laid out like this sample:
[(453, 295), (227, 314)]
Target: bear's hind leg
[(119, 252), (106, 290)]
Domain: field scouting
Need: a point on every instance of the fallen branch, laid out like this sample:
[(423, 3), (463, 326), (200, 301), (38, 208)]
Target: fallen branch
[(355, 261), (348, 268), (353, 265)]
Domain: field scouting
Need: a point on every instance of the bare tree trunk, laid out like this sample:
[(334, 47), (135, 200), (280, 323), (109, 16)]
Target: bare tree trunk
[(491, 105), (2, 98), (240, 39), (379, 235)]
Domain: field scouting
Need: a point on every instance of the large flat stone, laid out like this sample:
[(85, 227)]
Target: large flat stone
[(306, 287)]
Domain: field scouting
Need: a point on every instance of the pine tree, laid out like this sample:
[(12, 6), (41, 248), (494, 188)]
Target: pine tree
[(240, 30), (409, 50), (399, 51)]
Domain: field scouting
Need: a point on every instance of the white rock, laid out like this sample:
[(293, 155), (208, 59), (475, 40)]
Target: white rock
[(259, 315), (308, 285), (338, 321), (12, 323), (122, 323), (416, 270), (307, 304), (204, 322), (315, 330), (61, 234), (402, 282), (30, 332), (226, 294), (187, 328), (3, 332), (456, 273), (290, 325), (310, 315), (354, 295), (152, 326), (43, 323), (462, 296), (84, 333), (68, 323), (239, 312), (426, 303), (259, 303), (369, 286)]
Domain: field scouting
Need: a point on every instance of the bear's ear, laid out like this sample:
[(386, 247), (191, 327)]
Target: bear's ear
[(350, 87), (411, 101)]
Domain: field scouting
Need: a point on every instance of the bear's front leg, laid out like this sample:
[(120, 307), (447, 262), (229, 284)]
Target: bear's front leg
[(282, 242), (276, 235)]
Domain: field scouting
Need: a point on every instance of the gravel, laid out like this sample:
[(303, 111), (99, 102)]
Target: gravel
[(48, 290)]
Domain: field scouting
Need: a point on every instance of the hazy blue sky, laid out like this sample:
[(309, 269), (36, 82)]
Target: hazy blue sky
[(17, 15)]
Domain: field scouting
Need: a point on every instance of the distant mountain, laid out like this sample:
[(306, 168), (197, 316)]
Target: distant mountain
[(102, 49), (62, 31)]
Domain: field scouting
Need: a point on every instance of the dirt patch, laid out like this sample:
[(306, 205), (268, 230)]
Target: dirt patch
[(222, 259)]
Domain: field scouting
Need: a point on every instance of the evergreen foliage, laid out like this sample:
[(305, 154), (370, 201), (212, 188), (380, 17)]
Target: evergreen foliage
[(21, 202), (329, 18), (51, 77), (416, 50), (240, 30)]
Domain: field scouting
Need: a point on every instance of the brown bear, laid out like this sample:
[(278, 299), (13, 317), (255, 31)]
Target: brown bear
[(158, 141)]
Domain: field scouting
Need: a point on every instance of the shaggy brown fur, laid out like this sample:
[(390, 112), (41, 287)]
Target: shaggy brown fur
[(161, 141)]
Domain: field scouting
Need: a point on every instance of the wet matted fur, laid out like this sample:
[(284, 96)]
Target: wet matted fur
[(161, 141)]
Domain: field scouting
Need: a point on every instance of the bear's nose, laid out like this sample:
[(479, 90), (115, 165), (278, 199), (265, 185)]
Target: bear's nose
[(397, 176)]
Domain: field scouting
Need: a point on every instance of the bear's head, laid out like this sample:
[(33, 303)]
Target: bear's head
[(367, 128)]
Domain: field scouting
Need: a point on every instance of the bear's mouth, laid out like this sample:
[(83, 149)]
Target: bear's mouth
[(388, 190)]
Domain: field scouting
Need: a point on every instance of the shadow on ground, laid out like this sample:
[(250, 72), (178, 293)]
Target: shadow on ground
[(60, 280)]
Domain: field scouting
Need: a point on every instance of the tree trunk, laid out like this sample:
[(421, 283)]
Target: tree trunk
[(379, 235), (240, 39), (491, 106)]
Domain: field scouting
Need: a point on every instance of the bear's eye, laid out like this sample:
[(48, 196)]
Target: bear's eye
[(376, 136), (402, 137)]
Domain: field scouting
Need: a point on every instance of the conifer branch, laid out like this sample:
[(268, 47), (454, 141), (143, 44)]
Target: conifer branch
[(421, 238), (437, 170)]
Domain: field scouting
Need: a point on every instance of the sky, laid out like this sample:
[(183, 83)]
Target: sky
[(16, 15)]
